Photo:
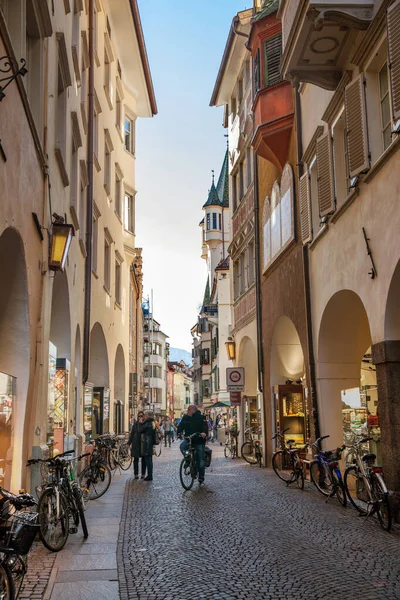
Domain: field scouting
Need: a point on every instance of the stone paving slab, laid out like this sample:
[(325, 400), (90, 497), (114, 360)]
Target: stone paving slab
[(69, 576), (246, 535), (90, 590)]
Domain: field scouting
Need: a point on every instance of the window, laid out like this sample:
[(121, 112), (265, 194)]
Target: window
[(340, 159), (220, 222), (205, 356), (63, 82), (315, 218), (257, 72), (242, 274), (236, 279), (241, 181), (75, 43), (96, 133), (384, 99), (118, 282), (233, 108), (247, 73), (208, 221), (118, 190), (214, 218), (107, 166), (74, 197), (240, 92), (107, 261), (129, 213), (248, 165), (33, 53), (84, 80), (129, 135), (250, 264), (234, 192), (95, 238), (118, 110), (157, 349), (157, 371), (108, 58), (272, 59), (82, 202)]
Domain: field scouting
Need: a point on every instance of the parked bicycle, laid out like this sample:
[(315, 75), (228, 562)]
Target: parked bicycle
[(365, 486), (286, 461), (251, 449), (95, 479), (188, 466), (60, 505), (115, 450), (231, 445), (18, 529), (325, 472)]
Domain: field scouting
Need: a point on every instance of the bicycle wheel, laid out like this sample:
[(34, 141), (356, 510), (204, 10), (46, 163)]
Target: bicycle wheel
[(81, 509), (125, 458), (339, 488), (186, 473), (248, 453), (53, 520), (228, 451), (355, 489), (95, 480), (383, 507), (321, 478), (282, 464), (7, 590), (299, 477)]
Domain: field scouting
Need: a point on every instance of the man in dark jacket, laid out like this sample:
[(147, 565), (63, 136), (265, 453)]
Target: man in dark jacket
[(194, 422), (135, 444)]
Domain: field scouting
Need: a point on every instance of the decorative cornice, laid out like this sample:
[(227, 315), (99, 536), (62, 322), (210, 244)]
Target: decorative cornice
[(337, 98), (371, 36), (310, 150)]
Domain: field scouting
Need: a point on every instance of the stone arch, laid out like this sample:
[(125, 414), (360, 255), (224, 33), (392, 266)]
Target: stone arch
[(99, 373), (247, 358), (392, 313), (343, 339), (119, 390), (14, 353)]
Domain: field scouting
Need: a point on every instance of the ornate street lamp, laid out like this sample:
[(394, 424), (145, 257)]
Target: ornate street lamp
[(230, 348), (61, 235)]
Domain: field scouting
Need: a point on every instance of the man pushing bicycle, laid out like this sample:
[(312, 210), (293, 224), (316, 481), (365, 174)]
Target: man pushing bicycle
[(194, 422)]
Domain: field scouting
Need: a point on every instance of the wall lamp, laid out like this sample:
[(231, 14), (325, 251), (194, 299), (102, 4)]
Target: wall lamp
[(230, 346), (9, 71), (61, 235)]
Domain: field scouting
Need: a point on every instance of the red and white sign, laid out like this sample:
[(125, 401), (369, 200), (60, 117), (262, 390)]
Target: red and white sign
[(235, 379), (235, 398)]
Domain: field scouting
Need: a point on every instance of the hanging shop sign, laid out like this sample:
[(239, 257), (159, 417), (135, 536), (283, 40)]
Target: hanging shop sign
[(235, 398), (235, 379), (210, 309)]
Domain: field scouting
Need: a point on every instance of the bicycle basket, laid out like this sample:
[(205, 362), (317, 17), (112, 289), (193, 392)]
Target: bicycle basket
[(207, 456), (23, 531), (333, 455)]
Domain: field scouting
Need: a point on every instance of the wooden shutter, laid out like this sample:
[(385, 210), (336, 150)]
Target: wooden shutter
[(305, 212), (272, 60), (393, 37), (356, 127), (326, 195)]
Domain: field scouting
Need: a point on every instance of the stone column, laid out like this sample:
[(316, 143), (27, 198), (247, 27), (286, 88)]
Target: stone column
[(386, 357)]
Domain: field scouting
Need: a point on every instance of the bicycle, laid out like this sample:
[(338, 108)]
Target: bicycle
[(231, 445), (115, 450), (251, 450), (325, 472), (60, 499), (188, 466), (95, 479), (365, 487), (18, 528), (286, 461)]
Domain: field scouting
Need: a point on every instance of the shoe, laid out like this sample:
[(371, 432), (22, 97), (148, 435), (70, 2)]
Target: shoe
[(136, 476), (148, 479), (142, 477), (201, 480)]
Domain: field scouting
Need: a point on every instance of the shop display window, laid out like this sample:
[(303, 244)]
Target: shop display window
[(87, 412), (290, 412), (7, 400)]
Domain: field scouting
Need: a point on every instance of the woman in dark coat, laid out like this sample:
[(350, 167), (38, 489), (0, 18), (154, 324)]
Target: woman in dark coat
[(135, 444), (148, 431)]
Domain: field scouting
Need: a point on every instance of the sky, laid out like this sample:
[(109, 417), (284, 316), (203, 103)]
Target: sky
[(176, 151)]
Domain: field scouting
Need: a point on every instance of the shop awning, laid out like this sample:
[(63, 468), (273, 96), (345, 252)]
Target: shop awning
[(220, 404)]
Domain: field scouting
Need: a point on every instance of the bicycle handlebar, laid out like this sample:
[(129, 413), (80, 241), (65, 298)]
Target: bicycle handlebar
[(34, 461), (20, 501)]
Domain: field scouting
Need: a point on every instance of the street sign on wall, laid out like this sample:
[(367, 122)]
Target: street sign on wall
[(235, 398), (235, 379)]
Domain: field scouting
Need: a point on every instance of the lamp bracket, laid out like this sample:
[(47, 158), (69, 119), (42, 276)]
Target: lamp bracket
[(9, 70)]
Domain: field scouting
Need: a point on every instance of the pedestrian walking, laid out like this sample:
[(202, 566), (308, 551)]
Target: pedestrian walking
[(135, 443), (195, 422), (167, 425), (148, 438), (216, 427)]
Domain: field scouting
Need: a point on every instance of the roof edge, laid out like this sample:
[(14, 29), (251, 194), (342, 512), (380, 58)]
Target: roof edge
[(143, 55)]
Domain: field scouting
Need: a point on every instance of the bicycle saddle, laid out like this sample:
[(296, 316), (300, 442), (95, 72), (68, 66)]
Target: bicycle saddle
[(368, 457)]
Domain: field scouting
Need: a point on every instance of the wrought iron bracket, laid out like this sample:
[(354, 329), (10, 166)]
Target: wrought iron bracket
[(372, 273), (9, 70)]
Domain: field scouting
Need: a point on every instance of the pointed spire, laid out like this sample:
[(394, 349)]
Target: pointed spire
[(212, 171)]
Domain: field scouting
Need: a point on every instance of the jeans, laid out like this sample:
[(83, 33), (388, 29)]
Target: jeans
[(149, 466), (216, 434), (184, 447), (167, 436), (136, 467)]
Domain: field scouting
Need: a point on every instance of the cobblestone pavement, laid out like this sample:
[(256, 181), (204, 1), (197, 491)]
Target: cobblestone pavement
[(40, 564), (245, 535)]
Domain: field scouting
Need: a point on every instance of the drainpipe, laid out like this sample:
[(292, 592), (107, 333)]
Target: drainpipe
[(257, 253), (306, 278), (89, 211)]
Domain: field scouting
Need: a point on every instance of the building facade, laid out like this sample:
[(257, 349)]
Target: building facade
[(155, 352), (180, 388), (66, 368)]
